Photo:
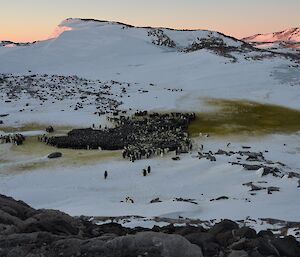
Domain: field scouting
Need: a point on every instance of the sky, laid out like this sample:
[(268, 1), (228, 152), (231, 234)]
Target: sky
[(30, 20)]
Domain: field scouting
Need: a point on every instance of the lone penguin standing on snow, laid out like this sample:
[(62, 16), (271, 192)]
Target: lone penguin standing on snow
[(144, 172), (105, 174), (149, 169)]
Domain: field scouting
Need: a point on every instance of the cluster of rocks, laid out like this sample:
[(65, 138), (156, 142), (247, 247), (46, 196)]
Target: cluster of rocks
[(141, 136), (25, 231), (16, 139), (218, 46), (160, 38), (252, 161)]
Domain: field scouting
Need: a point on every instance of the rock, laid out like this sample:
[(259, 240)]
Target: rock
[(293, 175), (220, 198), (200, 238), (239, 245), (251, 167), (223, 226), (265, 247), (155, 244), (273, 189), (114, 228), (156, 200), (37, 238), (54, 222), (287, 246), (265, 233), (245, 232), (1, 122), (74, 247), (241, 253), (222, 152), (188, 229), (226, 238), (169, 229), (206, 241), (54, 155), (15, 208)]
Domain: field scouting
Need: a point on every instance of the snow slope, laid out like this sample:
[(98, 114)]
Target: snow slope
[(217, 66), (287, 41), (288, 35)]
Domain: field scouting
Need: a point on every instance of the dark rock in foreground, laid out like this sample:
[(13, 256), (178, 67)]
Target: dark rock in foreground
[(54, 155), (25, 231)]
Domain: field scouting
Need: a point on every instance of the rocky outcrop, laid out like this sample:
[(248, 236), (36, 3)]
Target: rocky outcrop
[(25, 231)]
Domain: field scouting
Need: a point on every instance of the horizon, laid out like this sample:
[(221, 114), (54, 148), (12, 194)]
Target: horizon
[(36, 20)]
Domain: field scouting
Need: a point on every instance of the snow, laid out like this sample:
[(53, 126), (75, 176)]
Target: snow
[(83, 190), (286, 41), (289, 35), (174, 80)]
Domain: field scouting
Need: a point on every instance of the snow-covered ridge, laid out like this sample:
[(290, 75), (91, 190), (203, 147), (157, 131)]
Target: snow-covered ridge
[(173, 38), (6, 43), (288, 35), (287, 41), (90, 48)]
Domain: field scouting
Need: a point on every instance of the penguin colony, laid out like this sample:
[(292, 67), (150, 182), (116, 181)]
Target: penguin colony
[(141, 136)]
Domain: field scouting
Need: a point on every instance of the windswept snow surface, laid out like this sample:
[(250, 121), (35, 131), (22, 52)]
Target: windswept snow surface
[(146, 68)]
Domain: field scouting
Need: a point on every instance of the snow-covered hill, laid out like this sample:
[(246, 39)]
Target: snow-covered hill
[(288, 35), (203, 63), (77, 45), (283, 41)]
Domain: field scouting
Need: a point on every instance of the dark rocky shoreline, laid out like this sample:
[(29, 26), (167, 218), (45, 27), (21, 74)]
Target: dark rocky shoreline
[(25, 231)]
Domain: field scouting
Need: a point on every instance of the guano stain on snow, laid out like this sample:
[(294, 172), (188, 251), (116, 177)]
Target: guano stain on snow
[(32, 156), (241, 117)]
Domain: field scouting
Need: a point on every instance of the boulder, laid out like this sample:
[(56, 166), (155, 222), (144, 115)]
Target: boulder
[(54, 155), (265, 233), (223, 226), (206, 242), (54, 222), (238, 254), (154, 244), (15, 208), (245, 232), (287, 246)]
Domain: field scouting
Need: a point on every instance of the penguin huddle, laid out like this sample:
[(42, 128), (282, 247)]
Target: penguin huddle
[(16, 139), (141, 136)]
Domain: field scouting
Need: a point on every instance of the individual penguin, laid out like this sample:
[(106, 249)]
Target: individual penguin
[(144, 172)]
